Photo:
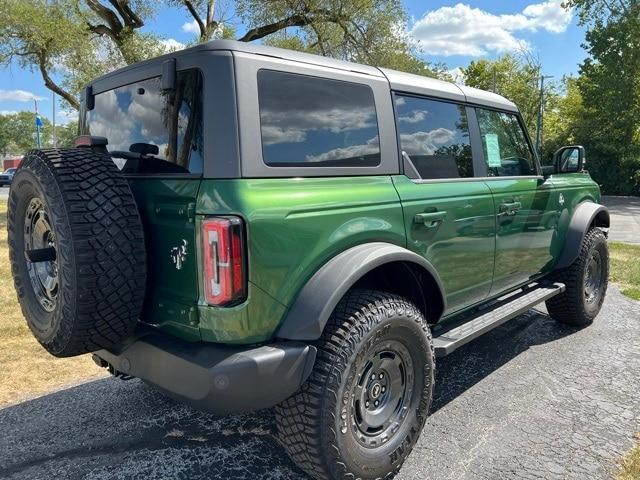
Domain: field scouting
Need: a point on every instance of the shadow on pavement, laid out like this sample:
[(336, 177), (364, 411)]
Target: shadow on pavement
[(113, 429)]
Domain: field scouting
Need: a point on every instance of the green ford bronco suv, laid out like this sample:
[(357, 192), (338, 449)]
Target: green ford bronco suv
[(245, 227)]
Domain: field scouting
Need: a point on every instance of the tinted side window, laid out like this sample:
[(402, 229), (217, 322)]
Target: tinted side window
[(506, 149), (435, 136), (141, 113), (311, 122)]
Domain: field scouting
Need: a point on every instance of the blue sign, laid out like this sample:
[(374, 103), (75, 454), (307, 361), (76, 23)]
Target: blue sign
[(39, 121)]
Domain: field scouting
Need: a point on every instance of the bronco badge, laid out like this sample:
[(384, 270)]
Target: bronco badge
[(179, 254)]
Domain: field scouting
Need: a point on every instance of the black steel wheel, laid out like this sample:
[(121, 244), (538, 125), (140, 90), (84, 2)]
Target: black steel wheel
[(586, 281), (594, 277), (381, 394), (366, 401), (40, 253)]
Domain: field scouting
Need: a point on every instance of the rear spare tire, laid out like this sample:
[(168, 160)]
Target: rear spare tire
[(77, 251)]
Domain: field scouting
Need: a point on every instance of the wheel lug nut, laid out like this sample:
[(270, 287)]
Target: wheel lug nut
[(376, 403), (381, 376), (373, 376), (384, 389), (366, 404)]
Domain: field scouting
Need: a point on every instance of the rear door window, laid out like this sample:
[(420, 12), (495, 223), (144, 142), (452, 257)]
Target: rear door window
[(315, 122), (150, 130), (434, 136), (506, 149)]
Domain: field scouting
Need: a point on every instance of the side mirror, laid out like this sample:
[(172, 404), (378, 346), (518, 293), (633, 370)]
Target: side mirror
[(569, 159)]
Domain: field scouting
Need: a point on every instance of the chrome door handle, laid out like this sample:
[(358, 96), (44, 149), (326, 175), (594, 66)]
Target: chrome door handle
[(430, 219)]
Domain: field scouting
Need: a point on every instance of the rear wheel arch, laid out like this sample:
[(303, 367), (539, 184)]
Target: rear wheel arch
[(586, 216), (378, 265)]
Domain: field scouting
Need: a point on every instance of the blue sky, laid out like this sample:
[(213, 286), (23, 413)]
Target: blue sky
[(453, 32)]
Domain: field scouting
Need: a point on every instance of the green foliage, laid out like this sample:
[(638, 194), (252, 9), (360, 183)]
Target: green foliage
[(72, 42), (17, 132), (66, 134), (609, 85), (38, 34), (516, 78)]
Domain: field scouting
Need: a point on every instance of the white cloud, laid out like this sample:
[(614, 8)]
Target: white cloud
[(19, 96), (463, 30), (457, 75), (171, 45), (272, 134), (191, 27), (293, 125), (425, 143), (414, 117), (372, 146), (109, 120), (66, 116), (549, 16)]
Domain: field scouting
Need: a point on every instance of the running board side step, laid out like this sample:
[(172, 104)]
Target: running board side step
[(448, 338)]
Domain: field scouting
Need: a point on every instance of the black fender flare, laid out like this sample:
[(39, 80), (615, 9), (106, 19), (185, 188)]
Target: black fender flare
[(586, 214), (310, 312)]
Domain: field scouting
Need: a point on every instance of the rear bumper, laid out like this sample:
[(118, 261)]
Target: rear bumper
[(216, 378)]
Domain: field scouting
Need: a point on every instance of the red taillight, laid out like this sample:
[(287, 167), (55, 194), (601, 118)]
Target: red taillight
[(223, 252)]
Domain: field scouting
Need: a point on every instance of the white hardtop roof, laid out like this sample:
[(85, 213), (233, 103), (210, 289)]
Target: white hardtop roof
[(400, 81)]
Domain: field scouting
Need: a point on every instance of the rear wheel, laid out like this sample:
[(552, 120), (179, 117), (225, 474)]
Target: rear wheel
[(77, 250), (366, 401), (586, 281)]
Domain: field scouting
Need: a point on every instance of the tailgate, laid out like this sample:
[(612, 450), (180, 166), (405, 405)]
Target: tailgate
[(167, 208)]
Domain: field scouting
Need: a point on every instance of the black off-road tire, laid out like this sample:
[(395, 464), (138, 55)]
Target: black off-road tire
[(85, 206), (317, 425), (574, 306)]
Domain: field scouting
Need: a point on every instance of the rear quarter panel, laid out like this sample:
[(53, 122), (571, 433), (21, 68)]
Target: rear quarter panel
[(294, 225)]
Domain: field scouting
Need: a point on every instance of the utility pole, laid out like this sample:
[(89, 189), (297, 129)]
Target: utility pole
[(540, 113), (38, 122), (55, 140)]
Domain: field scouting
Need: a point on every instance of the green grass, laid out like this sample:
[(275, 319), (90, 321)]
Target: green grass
[(630, 465), (625, 268)]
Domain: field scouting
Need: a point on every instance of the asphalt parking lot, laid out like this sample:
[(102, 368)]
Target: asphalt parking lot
[(531, 399), (625, 218)]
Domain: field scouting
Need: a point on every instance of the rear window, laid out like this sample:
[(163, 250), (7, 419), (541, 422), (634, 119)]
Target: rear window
[(435, 137), (138, 117), (315, 122)]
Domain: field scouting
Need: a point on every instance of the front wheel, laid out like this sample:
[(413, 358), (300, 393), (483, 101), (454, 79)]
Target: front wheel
[(366, 401), (586, 281)]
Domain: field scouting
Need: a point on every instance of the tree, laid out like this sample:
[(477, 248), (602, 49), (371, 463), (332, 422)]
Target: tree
[(609, 85), (516, 78), (563, 119), (77, 40), (66, 134), (38, 35), (18, 132)]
